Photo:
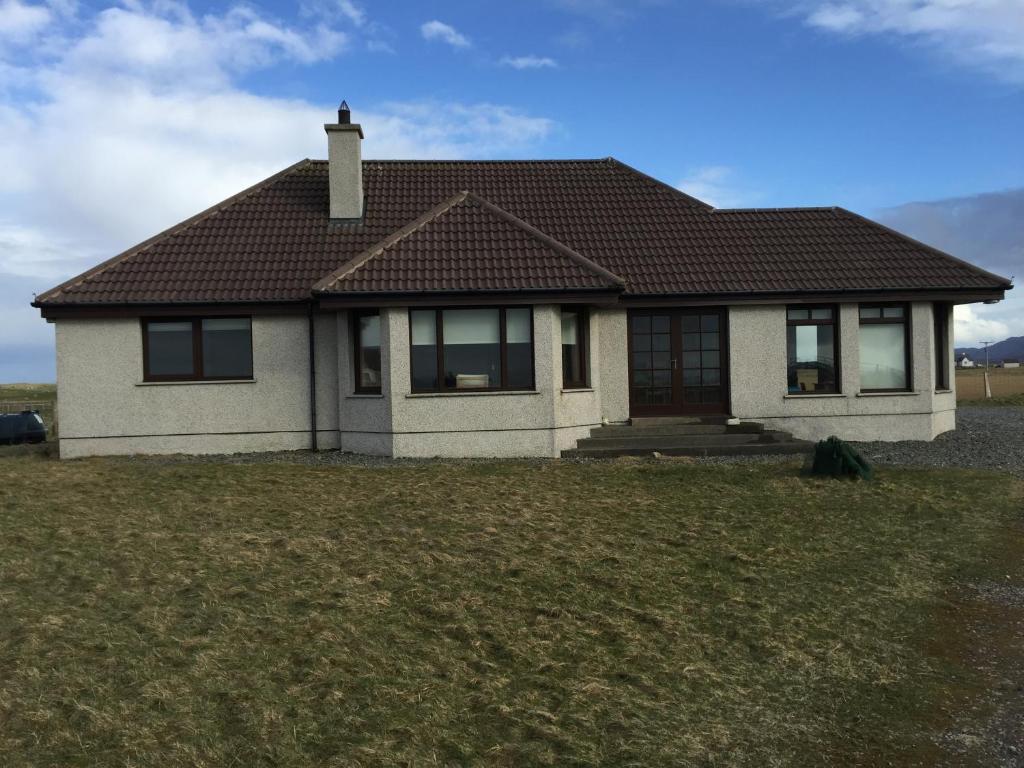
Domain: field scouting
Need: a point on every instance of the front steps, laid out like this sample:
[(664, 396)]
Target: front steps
[(685, 436)]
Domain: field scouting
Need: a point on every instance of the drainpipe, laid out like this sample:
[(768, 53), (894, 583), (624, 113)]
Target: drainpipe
[(312, 378)]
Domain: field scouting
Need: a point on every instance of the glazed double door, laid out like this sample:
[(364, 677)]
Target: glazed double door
[(677, 362)]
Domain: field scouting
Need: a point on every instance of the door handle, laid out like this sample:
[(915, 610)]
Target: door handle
[(673, 363)]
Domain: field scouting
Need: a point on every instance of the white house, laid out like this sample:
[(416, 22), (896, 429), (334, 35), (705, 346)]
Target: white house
[(505, 308)]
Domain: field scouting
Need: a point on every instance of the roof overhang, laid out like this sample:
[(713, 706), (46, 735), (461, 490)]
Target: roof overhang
[(346, 300), (952, 295), (164, 309)]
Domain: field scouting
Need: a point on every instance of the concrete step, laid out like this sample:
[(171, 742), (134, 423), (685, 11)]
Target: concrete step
[(657, 442), (743, 449), (616, 430), (660, 421)]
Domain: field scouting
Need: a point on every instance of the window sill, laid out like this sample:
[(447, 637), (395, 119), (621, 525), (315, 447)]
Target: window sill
[(570, 390), (365, 396), (471, 393), (811, 395), (943, 391), (894, 393), (193, 382)]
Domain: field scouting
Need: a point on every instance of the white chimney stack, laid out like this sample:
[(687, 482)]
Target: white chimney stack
[(345, 161)]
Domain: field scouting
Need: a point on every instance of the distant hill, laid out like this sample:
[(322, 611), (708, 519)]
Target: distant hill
[(1012, 348)]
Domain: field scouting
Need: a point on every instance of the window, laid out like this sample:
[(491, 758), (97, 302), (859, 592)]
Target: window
[(367, 346), (940, 312), (884, 348), (466, 349), (197, 349), (812, 343), (574, 348)]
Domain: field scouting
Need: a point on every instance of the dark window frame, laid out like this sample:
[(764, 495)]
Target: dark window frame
[(940, 317), (907, 339), (357, 358), (582, 348), (503, 349), (197, 350), (836, 345)]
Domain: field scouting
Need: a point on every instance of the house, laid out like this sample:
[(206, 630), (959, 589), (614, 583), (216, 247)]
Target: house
[(965, 362), (1010, 362), (465, 308)]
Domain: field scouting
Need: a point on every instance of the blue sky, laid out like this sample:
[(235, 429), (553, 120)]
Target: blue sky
[(122, 118)]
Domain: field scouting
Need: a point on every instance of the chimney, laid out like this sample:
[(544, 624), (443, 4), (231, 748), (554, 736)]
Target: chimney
[(345, 162)]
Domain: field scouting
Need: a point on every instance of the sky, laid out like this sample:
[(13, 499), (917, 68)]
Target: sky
[(120, 119)]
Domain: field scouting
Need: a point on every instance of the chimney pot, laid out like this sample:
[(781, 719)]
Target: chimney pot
[(344, 114)]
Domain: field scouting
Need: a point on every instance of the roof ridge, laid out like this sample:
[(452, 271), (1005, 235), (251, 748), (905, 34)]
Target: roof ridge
[(439, 210), (173, 230), (512, 161), (778, 209), (378, 248)]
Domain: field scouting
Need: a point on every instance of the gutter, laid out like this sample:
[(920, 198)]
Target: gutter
[(312, 378)]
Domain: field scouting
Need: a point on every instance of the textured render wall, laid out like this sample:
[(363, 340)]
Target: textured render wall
[(757, 359), (364, 420), (104, 408), (613, 352)]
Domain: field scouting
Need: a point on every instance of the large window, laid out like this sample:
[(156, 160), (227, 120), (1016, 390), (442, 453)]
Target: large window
[(884, 348), (197, 349), (471, 349), (941, 351), (367, 335), (574, 348), (812, 344)]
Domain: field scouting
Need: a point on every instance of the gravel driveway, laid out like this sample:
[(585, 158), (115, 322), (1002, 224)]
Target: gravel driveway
[(986, 437)]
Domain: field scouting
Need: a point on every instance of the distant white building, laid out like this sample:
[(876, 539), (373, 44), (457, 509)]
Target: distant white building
[(1011, 363), (965, 362)]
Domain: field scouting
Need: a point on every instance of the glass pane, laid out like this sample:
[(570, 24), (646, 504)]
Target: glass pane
[(662, 378), (643, 378), (641, 396), (519, 351), (882, 357), (423, 323), (660, 324), (691, 360), (661, 396), (642, 360), (711, 376), (691, 323), (709, 359), (709, 341), (227, 347), (570, 327), (797, 314), (662, 342), (870, 313), (691, 341), (472, 348), (170, 348), (642, 343), (691, 376), (811, 358), (369, 351), (517, 326), (709, 322), (892, 312), (423, 362), (571, 372), (821, 313), (661, 359), (641, 323)]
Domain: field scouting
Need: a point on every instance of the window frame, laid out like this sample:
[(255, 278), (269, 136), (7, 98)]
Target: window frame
[(836, 345), (582, 347), (197, 350), (357, 358), (941, 351), (907, 339), (503, 349)]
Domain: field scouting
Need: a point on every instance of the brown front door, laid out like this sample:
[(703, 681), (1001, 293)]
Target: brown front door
[(677, 362)]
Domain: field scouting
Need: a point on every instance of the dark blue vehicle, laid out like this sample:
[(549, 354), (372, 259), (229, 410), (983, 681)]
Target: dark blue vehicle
[(24, 427)]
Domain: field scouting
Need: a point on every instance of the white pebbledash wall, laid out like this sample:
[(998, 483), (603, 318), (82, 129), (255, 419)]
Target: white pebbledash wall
[(757, 359)]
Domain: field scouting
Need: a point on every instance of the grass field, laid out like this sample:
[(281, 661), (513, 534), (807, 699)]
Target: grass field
[(1007, 386), (159, 613)]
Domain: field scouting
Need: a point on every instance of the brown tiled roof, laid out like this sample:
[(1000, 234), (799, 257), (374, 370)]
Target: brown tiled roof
[(274, 241), (468, 244)]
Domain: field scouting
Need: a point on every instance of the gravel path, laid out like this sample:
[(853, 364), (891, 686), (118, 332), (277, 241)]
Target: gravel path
[(986, 437)]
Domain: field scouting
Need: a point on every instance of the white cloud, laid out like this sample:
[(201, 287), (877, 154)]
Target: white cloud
[(438, 30), (138, 121), (971, 326), (20, 22), (986, 34), (717, 186), (529, 62)]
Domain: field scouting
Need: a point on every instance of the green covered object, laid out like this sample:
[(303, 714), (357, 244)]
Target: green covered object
[(835, 458)]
